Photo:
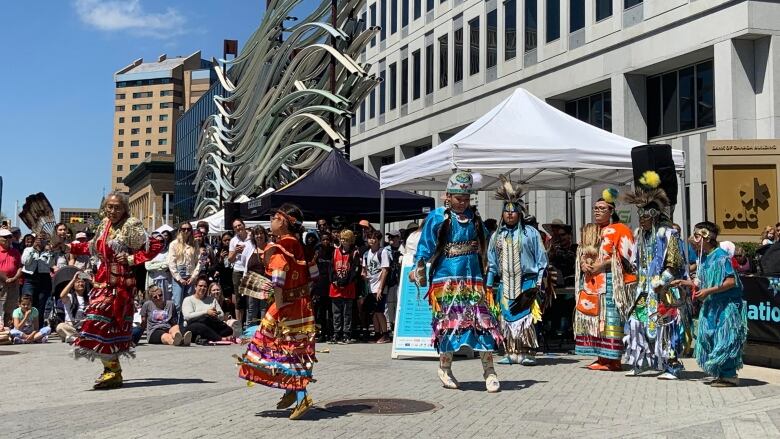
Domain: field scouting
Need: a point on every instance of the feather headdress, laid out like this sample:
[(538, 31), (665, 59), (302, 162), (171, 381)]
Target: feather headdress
[(648, 192), (510, 194), (37, 214)]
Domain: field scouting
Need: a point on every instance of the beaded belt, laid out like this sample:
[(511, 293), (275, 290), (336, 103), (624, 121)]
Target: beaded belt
[(295, 293), (461, 248)]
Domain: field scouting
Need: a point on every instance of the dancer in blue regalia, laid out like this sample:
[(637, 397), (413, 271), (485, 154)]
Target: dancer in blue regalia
[(454, 242), (516, 268)]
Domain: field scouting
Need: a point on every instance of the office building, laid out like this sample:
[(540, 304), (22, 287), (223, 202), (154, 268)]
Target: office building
[(150, 97), (682, 72)]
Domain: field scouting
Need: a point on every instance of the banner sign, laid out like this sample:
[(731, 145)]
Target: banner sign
[(413, 331), (763, 308)]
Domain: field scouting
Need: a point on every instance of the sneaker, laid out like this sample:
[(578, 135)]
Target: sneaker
[(506, 360), (667, 376), (332, 340), (528, 360), (177, 338), (187, 339), (634, 372), (348, 340), (491, 383)]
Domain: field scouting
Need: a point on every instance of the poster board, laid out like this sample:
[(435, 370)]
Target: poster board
[(413, 331)]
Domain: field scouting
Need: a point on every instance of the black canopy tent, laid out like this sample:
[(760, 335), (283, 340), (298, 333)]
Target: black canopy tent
[(336, 188)]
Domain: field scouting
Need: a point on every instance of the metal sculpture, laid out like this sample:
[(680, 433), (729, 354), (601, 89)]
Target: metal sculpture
[(290, 95)]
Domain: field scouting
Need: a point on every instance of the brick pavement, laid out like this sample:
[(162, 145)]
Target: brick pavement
[(193, 392)]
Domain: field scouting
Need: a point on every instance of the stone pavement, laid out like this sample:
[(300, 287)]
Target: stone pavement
[(193, 392)]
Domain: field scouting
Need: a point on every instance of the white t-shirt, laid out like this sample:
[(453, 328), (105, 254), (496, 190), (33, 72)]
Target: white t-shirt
[(238, 265), (374, 263)]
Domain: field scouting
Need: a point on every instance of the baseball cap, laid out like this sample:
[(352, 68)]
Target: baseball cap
[(412, 226), (5, 233), (364, 223), (81, 235), (394, 233)]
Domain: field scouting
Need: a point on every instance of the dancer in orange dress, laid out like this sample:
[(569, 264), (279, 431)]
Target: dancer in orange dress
[(281, 353)]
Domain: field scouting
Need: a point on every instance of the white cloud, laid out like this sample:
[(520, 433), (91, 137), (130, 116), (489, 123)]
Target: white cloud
[(129, 15)]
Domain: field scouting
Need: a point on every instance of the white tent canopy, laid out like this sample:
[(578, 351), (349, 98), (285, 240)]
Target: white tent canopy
[(538, 145)]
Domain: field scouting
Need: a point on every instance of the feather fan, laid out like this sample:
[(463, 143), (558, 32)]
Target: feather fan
[(38, 214)]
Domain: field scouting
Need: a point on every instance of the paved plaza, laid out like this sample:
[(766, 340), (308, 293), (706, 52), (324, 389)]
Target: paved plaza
[(193, 392)]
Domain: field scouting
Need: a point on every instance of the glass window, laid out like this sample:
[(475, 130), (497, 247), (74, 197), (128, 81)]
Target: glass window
[(510, 29), (133, 143), (120, 95), (491, 30), (119, 108), (530, 25), (372, 104), (417, 9), (162, 141), (382, 88), (603, 9), (404, 13), (394, 16), (149, 130), (595, 109), (458, 55), (669, 102), (576, 15), (474, 46), (429, 5), (145, 94), (149, 118), (119, 179), (372, 8), (443, 64), (135, 119), (148, 142), (705, 98), (404, 81), (133, 166), (630, 3), (680, 100), (163, 129), (120, 144), (553, 20), (687, 97), (383, 19), (121, 132), (163, 117), (429, 69), (163, 105), (363, 111), (121, 120), (166, 93), (416, 67), (147, 154), (135, 131), (120, 155), (393, 79)]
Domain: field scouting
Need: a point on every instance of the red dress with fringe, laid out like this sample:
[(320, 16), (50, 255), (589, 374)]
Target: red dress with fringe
[(281, 353), (107, 329)]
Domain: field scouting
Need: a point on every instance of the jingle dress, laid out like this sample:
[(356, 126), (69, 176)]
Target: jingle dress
[(106, 331), (463, 314), (281, 353), (602, 335)]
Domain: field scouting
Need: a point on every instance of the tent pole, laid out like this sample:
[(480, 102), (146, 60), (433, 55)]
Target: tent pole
[(571, 218), (382, 212), (684, 203)]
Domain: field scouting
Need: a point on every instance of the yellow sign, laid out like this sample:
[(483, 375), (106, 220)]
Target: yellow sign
[(745, 198)]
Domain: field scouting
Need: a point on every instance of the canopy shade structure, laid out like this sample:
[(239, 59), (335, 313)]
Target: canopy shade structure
[(529, 140), (335, 187)]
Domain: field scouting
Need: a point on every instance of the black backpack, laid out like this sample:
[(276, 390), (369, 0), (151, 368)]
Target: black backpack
[(394, 276)]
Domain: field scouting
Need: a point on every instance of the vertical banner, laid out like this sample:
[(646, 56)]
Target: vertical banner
[(413, 331)]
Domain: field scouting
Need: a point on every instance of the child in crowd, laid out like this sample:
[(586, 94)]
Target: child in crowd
[(26, 324)]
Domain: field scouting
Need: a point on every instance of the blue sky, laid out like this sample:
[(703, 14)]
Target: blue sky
[(56, 110)]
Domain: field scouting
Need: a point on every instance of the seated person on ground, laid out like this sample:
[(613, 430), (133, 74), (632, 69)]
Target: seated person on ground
[(74, 297), (26, 324), (203, 315), (159, 318)]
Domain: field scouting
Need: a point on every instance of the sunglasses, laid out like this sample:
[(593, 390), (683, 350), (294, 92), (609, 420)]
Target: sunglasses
[(157, 296), (648, 213), (186, 229)]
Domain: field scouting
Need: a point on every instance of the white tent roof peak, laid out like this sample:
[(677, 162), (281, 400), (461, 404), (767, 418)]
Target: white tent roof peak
[(529, 139)]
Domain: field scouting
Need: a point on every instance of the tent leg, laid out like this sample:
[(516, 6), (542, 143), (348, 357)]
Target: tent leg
[(382, 212), (684, 203), (571, 217)]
